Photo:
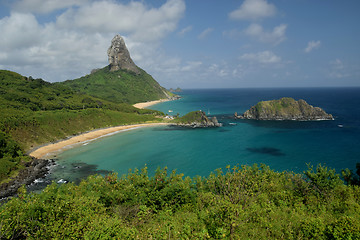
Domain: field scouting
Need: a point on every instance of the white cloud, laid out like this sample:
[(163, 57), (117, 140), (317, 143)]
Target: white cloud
[(205, 33), (253, 10), (78, 40), (45, 6), (265, 57), (312, 45), (185, 30), (276, 36), (134, 19), (19, 31)]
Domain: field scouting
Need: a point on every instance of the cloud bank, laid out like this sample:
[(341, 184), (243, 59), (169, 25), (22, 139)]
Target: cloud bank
[(79, 35)]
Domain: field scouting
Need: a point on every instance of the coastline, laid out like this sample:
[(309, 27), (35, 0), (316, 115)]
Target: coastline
[(143, 105), (45, 150), (88, 136)]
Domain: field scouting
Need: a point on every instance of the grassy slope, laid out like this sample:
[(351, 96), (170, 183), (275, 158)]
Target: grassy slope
[(195, 116), (119, 86), (280, 107), (34, 112)]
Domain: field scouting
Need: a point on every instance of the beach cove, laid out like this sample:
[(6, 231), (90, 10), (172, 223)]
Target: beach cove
[(44, 151), (49, 149)]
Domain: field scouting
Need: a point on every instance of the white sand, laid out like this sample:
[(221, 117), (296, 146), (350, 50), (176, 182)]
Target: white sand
[(148, 104)]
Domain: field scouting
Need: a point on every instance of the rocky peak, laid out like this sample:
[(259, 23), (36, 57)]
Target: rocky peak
[(119, 56)]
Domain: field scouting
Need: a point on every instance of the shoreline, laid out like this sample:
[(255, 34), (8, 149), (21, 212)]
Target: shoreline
[(143, 105), (48, 149)]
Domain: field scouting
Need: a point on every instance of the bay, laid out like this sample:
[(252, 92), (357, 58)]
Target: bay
[(283, 145)]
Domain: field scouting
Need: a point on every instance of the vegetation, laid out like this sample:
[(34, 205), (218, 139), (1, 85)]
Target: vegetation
[(120, 86), (286, 109), (240, 203), (10, 155), (195, 116), (34, 112), (280, 107)]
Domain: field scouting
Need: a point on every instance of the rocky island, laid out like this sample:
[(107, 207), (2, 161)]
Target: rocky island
[(197, 119), (285, 109)]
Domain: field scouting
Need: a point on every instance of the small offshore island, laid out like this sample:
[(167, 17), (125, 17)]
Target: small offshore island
[(285, 109)]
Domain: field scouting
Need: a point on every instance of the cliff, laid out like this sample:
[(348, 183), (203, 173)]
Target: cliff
[(285, 109), (119, 56)]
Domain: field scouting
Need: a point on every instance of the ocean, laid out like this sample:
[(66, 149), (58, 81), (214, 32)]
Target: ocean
[(282, 145)]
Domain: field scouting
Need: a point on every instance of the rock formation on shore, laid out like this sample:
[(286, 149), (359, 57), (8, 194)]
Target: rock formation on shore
[(119, 56), (37, 168), (285, 109), (198, 119)]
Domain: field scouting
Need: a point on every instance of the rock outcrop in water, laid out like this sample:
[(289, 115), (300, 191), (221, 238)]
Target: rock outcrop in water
[(198, 119), (285, 109), (119, 56)]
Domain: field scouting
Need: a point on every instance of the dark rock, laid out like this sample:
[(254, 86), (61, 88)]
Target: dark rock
[(37, 168)]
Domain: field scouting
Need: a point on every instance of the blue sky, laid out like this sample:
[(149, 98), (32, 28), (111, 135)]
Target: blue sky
[(188, 44)]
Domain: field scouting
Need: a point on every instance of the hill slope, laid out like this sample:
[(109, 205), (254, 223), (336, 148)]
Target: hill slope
[(34, 112), (120, 86)]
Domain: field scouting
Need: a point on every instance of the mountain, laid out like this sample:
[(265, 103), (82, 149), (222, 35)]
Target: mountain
[(285, 109), (121, 81)]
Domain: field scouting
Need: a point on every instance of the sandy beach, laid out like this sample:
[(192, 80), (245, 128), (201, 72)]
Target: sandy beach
[(53, 147), (150, 103)]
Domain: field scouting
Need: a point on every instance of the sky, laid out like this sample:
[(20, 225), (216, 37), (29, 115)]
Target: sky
[(188, 43)]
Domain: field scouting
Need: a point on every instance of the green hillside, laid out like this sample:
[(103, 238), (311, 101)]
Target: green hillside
[(120, 86), (35, 112)]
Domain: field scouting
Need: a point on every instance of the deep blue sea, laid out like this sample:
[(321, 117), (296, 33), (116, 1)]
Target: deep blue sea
[(283, 145)]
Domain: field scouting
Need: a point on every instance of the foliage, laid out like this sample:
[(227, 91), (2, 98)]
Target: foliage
[(195, 116), (22, 93), (240, 203), (350, 177), (10, 155), (34, 112), (119, 86)]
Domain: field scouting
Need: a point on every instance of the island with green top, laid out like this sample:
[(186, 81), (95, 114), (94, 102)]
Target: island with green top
[(285, 109)]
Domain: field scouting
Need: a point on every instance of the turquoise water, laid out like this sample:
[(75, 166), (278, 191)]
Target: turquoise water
[(283, 145)]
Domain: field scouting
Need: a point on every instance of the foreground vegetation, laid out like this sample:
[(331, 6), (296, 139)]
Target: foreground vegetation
[(240, 203)]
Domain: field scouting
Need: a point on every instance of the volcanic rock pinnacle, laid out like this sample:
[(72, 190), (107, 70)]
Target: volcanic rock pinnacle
[(119, 57)]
